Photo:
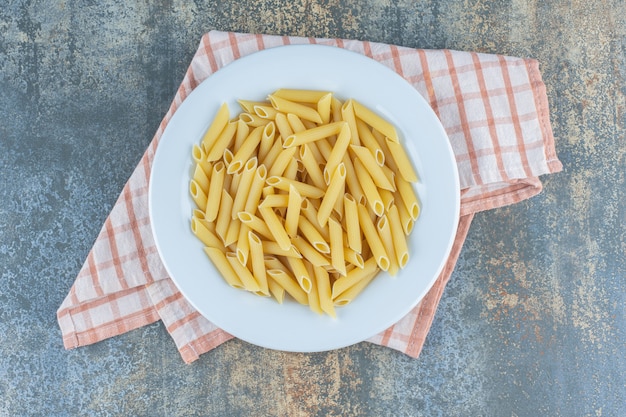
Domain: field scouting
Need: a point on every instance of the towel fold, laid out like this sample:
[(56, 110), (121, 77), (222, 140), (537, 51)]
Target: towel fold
[(494, 109)]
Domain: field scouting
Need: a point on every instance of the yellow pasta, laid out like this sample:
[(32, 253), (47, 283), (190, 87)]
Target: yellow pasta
[(223, 266), (215, 191), (375, 121), (216, 127), (300, 110), (303, 196), (258, 262)]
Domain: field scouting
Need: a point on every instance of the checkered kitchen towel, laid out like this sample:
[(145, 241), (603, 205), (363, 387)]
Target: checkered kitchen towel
[(494, 109)]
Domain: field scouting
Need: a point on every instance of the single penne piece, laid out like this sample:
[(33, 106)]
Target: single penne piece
[(281, 162), (285, 280), (205, 235), (223, 215), (353, 257), (337, 257), (199, 196), (353, 277), (258, 262), (335, 109), (352, 182), (374, 120), (293, 211), (232, 233), (351, 216), (388, 198), (310, 213), (244, 274), (369, 163), (369, 141), (276, 290), (243, 244), (223, 266), (199, 157), (374, 200), (399, 238), (272, 248), (246, 150), (292, 169), (275, 200), (313, 294), (216, 127), (255, 223), (332, 194), (252, 120), (384, 231), (265, 111), (272, 262), (228, 157), (275, 150), (305, 190), (295, 123), (309, 253), (301, 96), (312, 135), (408, 197), (347, 114), (312, 166), (351, 293), (200, 177), (401, 158), (214, 195), (373, 239), (313, 236), (256, 189), (322, 281), (276, 227), (283, 126), (248, 105), (300, 273), (405, 218), (267, 140), (288, 106), (222, 142), (324, 107), (337, 153), (243, 188), (243, 130)]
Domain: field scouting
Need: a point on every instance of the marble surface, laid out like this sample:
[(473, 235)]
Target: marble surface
[(532, 322)]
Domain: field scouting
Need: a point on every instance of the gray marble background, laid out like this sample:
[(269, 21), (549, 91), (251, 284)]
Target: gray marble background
[(532, 323)]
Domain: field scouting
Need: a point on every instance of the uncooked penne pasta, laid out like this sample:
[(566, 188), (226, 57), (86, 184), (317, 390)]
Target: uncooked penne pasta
[(300, 110), (375, 121), (215, 191), (216, 127), (303, 195), (223, 266)]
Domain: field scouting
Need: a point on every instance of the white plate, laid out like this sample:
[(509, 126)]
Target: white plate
[(290, 326)]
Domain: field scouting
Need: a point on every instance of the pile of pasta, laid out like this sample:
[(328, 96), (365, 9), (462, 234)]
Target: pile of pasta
[(303, 194)]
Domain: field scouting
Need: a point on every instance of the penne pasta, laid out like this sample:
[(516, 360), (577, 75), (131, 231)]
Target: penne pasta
[(215, 128), (337, 182), (401, 159), (288, 106), (375, 121), (258, 262), (215, 191), (223, 266), (337, 257), (373, 239), (303, 195)]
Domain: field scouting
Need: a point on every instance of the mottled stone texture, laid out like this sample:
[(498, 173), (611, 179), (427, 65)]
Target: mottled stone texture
[(532, 323)]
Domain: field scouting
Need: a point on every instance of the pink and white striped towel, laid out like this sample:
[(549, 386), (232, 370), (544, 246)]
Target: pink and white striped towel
[(494, 109)]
